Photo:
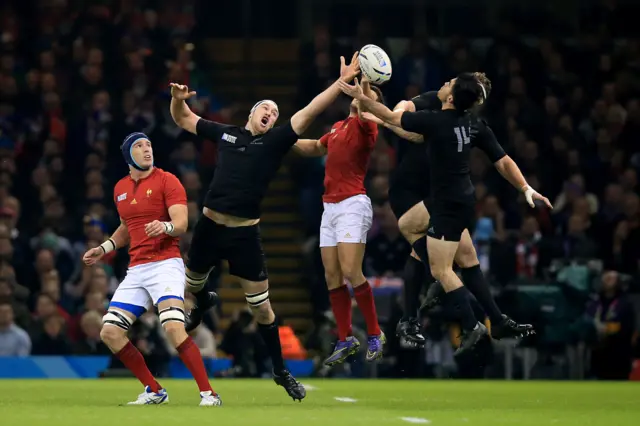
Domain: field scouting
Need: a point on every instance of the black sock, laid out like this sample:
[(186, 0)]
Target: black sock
[(458, 301), (271, 337), (473, 279), (414, 276), (420, 247)]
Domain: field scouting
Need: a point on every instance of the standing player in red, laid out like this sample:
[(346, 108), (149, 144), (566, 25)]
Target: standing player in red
[(152, 205), (345, 223)]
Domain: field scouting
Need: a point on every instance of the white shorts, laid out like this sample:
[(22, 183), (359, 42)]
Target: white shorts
[(348, 221), (148, 284)]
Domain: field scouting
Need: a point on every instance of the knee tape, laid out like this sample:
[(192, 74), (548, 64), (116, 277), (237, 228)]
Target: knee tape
[(257, 299), (117, 319), (172, 313), (195, 282)]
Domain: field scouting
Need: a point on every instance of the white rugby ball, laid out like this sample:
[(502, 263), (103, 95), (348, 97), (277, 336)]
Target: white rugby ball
[(375, 64)]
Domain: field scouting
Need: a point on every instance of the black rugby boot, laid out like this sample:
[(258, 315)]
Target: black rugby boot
[(205, 300), (293, 387), (509, 329), (409, 330), (470, 339)]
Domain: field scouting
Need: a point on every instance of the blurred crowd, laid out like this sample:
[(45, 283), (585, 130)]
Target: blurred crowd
[(76, 78)]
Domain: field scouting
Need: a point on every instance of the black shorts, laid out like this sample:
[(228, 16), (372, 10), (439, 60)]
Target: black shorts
[(241, 247), (403, 198), (449, 219)]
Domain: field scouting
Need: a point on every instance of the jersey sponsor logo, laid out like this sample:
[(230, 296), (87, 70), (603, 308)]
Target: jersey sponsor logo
[(241, 149), (431, 230), (229, 138), (257, 142), (122, 197), (149, 192), (347, 235), (134, 201), (333, 130)]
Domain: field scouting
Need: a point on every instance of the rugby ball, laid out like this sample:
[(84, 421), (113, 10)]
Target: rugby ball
[(375, 64)]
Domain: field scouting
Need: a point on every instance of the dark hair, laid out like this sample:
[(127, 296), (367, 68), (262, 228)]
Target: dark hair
[(466, 91), (378, 92)]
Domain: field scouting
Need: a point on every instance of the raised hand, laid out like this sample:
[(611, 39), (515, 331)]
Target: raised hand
[(181, 91), (348, 72), (354, 91)]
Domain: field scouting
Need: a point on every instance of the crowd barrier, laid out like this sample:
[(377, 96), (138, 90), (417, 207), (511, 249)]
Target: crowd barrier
[(89, 367)]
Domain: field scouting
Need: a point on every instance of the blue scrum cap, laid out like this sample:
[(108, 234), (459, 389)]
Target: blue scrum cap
[(127, 145)]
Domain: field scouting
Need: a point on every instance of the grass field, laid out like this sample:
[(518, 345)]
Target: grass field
[(371, 402)]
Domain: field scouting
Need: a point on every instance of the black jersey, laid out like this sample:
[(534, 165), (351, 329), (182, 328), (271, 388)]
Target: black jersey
[(450, 135), (246, 165), (413, 170)]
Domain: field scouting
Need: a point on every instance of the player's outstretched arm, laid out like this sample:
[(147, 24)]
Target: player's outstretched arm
[(512, 173), (302, 119), (180, 111), (310, 148), (376, 108)]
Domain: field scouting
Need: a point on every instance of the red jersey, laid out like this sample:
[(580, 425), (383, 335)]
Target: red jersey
[(142, 202), (349, 146)]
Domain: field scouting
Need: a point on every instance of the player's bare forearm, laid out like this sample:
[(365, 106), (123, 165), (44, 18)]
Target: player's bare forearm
[(183, 116), (179, 219), (382, 112), (408, 106), (511, 172), (121, 236), (302, 119), (309, 148), (410, 136)]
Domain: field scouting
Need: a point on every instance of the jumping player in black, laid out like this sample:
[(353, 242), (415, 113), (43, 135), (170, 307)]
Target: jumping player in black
[(451, 132), (408, 192), (228, 229)]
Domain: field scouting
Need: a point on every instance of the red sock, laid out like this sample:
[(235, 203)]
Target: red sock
[(341, 306), (134, 361), (190, 355), (367, 305)]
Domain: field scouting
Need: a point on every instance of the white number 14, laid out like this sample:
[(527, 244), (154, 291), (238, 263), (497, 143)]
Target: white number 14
[(463, 138)]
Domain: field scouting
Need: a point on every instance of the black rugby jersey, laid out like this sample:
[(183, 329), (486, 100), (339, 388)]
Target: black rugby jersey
[(412, 172), (246, 165), (450, 135)]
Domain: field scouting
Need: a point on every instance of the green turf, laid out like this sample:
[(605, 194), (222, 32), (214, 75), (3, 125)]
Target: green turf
[(261, 403)]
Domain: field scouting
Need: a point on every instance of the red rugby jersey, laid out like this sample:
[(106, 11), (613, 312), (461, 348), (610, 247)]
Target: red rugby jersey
[(349, 146), (142, 202)]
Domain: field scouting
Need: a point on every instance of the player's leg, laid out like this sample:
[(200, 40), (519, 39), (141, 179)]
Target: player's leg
[(339, 296), (165, 285), (128, 303), (353, 220), (247, 262), (202, 257), (413, 224), (444, 232), (473, 278)]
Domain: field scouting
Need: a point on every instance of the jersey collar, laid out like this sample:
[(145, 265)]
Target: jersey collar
[(155, 169)]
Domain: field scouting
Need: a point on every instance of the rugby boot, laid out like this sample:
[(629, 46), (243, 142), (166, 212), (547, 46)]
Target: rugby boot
[(149, 397), (509, 329), (470, 339), (203, 303), (342, 351), (375, 347), (409, 331), (293, 387), (210, 399), (434, 297)]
